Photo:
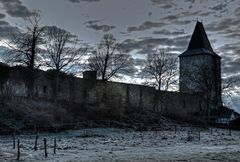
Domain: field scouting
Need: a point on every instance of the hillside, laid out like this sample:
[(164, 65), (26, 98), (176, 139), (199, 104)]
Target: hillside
[(23, 115)]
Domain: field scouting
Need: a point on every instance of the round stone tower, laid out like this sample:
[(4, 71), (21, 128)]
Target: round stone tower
[(200, 68)]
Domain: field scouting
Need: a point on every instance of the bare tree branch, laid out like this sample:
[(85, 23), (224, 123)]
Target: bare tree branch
[(161, 69), (24, 46), (107, 59), (61, 51)]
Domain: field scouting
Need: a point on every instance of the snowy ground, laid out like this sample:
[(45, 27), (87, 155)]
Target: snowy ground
[(125, 145)]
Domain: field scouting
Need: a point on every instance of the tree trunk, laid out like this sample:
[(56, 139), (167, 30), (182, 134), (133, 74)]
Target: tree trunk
[(56, 87), (31, 67), (30, 82)]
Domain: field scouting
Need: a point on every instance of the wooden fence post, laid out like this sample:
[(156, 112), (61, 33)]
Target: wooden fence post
[(55, 145), (35, 145), (199, 135), (45, 147), (18, 148), (13, 136), (91, 124), (35, 128), (230, 131), (156, 133), (109, 123)]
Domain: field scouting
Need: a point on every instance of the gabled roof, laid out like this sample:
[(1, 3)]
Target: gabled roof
[(224, 112), (199, 43)]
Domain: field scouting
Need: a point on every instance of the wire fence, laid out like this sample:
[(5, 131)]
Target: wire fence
[(192, 133)]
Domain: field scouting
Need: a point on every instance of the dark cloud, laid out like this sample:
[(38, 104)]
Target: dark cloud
[(74, 1), (145, 26), (3, 23), (78, 1), (139, 62), (144, 45), (182, 22), (90, 0), (47, 28), (191, 6), (162, 32), (2, 16), (232, 34), (15, 8), (161, 1), (232, 46), (165, 4), (224, 24), (180, 19), (148, 45), (188, 13), (7, 30), (231, 67), (237, 11), (181, 42), (230, 54), (230, 50), (104, 28), (219, 7), (191, 1), (92, 21), (93, 24), (171, 17), (215, 26), (167, 32), (206, 13)]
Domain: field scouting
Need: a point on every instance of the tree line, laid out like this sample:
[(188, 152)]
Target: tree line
[(40, 46)]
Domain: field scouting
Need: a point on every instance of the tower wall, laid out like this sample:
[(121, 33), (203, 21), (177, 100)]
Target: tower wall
[(201, 73)]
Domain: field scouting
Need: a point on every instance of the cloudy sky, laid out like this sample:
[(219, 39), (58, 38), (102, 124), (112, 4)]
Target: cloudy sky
[(140, 25)]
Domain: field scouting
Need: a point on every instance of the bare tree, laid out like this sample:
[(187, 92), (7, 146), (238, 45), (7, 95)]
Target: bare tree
[(161, 69), (62, 51), (107, 59), (24, 47), (230, 83), (229, 88)]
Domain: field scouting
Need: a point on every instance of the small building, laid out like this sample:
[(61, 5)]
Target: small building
[(224, 116), (235, 123)]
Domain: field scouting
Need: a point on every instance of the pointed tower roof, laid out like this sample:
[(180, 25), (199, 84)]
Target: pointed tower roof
[(199, 43)]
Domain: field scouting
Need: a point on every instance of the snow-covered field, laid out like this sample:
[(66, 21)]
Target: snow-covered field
[(125, 145)]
